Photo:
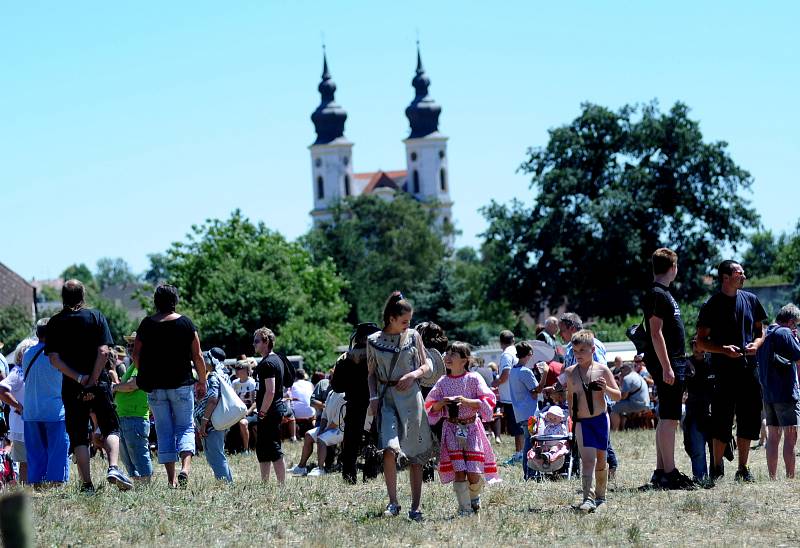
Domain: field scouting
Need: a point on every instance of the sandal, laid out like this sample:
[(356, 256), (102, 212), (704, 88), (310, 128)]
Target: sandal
[(416, 515), (183, 479), (392, 510)]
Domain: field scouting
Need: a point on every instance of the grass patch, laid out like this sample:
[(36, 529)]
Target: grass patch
[(326, 512)]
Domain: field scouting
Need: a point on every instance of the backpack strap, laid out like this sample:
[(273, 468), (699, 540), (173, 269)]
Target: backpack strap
[(33, 360)]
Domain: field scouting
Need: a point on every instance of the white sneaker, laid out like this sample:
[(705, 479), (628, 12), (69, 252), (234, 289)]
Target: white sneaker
[(299, 471), (316, 472)]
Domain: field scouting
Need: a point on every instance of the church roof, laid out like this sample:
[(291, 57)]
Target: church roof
[(383, 179), (329, 117), (423, 112)]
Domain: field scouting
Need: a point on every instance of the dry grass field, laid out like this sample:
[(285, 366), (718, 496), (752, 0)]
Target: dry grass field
[(324, 511)]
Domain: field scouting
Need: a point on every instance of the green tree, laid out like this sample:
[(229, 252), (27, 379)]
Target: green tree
[(157, 272), (113, 272), (15, 325), (610, 188), (82, 273), (235, 276), (378, 246), (760, 258), (455, 298)]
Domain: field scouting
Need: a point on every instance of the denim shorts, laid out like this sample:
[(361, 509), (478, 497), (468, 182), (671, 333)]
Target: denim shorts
[(173, 411), (134, 446)]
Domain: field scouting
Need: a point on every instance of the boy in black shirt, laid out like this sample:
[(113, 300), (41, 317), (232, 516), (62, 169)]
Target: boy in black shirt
[(77, 345), (665, 359), (730, 328)]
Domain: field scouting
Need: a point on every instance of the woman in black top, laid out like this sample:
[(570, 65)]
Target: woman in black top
[(165, 347)]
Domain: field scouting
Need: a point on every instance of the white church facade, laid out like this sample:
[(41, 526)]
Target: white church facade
[(426, 176)]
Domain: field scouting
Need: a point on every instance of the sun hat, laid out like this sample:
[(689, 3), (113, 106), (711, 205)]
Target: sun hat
[(555, 410)]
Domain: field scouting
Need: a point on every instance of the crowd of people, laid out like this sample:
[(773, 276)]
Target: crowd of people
[(414, 397)]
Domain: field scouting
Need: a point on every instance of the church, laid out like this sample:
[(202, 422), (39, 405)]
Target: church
[(425, 176)]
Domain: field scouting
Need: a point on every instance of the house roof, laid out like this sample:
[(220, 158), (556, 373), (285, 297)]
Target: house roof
[(382, 179)]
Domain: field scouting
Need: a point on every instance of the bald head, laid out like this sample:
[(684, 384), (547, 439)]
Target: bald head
[(72, 294)]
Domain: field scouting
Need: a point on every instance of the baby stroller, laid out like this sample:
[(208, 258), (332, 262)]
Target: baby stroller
[(552, 453)]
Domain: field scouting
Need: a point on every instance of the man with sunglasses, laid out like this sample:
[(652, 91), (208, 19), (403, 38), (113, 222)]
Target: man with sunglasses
[(271, 406)]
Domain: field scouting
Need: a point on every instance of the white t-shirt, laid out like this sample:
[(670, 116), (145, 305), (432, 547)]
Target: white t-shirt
[(335, 409), (300, 392), (14, 383), (245, 390), (508, 359)]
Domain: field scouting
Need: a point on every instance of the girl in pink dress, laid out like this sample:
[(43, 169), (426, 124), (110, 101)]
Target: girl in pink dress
[(464, 401)]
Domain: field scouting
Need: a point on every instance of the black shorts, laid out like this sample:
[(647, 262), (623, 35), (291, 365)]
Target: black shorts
[(76, 412), (737, 394), (670, 398), (268, 438), (512, 427)]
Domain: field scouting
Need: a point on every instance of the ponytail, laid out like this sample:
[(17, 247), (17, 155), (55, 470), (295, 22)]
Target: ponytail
[(396, 305)]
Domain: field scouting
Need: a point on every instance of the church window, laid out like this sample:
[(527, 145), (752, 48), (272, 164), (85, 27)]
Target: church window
[(416, 182), (320, 189), (441, 154), (345, 160), (413, 156), (443, 180), (347, 185), (318, 162)]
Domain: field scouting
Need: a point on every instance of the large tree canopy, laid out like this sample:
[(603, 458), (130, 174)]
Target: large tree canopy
[(378, 246), (610, 188), (234, 277)]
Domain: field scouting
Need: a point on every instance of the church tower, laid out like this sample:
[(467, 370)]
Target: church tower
[(426, 149), (331, 153)]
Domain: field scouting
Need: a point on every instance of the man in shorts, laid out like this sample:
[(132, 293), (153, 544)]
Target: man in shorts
[(665, 357), (777, 371), (730, 328), (78, 340)]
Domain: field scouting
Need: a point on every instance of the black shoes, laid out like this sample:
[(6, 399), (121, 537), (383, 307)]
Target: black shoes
[(743, 475)]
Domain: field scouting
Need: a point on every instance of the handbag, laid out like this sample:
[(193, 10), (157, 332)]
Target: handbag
[(637, 334), (230, 408)]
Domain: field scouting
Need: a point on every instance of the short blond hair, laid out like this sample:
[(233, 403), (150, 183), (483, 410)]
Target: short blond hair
[(266, 335), (584, 336)]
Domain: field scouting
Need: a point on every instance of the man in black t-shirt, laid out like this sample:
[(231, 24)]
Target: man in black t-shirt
[(666, 361), (730, 328), (78, 341), (270, 404)]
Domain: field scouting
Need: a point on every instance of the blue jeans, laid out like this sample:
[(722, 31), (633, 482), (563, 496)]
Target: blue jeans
[(47, 447), (173, 410), (214, 446), (526, 472), (134, 446), (694, 441)]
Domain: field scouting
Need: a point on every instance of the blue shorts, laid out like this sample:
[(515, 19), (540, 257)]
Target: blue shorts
[(47, 445), (594, 432)]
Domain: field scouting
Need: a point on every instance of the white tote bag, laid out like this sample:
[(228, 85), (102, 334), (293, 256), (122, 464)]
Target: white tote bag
[(230, 408)]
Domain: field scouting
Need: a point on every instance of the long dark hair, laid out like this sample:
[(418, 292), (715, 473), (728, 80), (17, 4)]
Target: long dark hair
[(396, 305), (432, 335)]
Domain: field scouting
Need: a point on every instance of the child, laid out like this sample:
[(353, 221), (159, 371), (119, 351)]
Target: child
[(554, 425), (245, 388), (463, 400), (587, 382)]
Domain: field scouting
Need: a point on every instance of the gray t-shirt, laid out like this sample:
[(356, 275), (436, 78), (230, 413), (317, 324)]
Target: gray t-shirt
[(636, 387)]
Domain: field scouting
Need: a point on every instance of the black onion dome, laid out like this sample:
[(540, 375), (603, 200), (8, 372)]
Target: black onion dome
[(329, 117), (423, 112)]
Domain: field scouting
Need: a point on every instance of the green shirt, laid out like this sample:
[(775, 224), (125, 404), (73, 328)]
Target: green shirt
[(132, 404)]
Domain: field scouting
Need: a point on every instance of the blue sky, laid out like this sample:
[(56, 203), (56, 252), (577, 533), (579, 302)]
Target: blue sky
[(121, 125)]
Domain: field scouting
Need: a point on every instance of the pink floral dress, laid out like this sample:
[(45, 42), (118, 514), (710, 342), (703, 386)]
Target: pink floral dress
[(464, 447)]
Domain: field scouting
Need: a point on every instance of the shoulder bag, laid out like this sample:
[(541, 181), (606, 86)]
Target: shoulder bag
[(230, 408)]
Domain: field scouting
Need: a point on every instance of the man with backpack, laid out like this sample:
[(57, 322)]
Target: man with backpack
[(777, 372), (273, 375)]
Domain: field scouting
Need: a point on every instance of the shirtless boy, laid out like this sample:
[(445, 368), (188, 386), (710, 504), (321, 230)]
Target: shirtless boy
[(587, 383)]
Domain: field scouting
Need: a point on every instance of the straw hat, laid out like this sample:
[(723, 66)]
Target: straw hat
[(130, 338)]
